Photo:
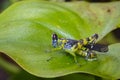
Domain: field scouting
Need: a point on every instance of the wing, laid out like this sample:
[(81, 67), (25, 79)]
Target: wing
[(98, 47)]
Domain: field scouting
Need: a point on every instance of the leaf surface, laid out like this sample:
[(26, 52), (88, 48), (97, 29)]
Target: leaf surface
[(25, 35)]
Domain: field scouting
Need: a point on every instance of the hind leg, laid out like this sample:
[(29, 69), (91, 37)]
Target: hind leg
[(91, 55)]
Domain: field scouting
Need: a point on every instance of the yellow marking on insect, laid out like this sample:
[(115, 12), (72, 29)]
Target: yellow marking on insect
[(79, 45), (74, 46), (64, 41), (74, 49), (82, 53), (85, 41), (91, 39)]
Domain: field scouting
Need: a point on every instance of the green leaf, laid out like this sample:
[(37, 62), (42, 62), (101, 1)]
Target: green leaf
[(101, 17), (25, 35)]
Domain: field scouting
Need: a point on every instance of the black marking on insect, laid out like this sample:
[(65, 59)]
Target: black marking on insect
[(84, 47)]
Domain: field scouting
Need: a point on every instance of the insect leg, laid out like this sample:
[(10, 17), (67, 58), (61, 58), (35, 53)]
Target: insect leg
[(92, 40), (56, 49), (73, 54), (90, 55), (75, 59)]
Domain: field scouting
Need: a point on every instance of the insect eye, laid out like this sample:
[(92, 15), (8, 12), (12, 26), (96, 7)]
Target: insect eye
[(54, 37), (95, 36), (54, 40)]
